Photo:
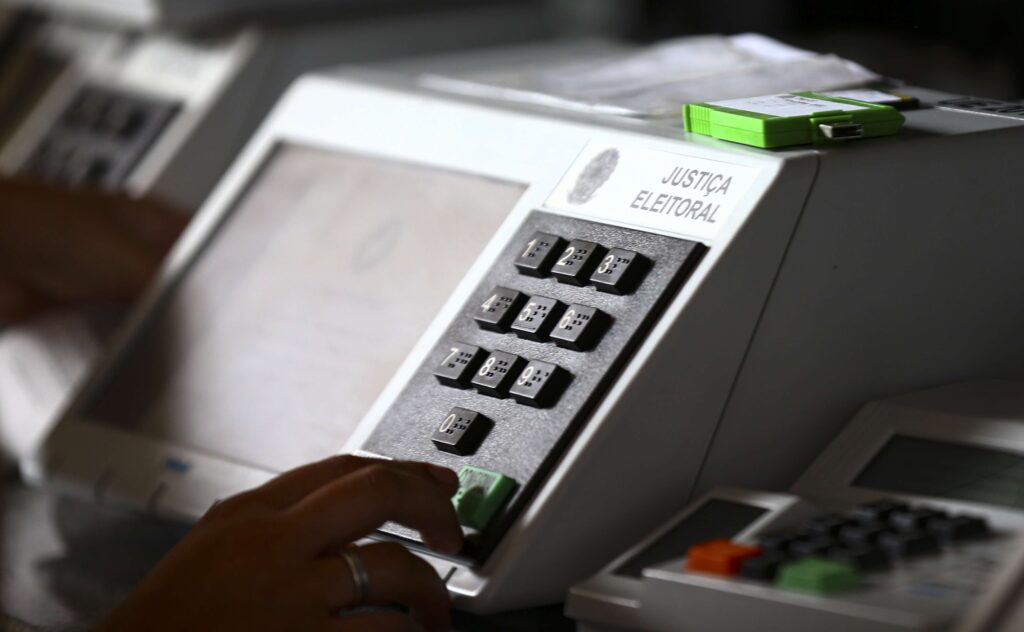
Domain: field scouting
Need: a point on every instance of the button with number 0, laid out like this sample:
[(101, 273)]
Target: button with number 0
[(461, 431), (499, 309), (540, 384), (497, 373), (580, 328), (539, 254), (460, 362), (537, 318), (619, 272), (577, 261)]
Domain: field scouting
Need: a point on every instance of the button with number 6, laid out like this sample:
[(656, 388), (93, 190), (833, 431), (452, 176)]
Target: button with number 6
[(580, 328)]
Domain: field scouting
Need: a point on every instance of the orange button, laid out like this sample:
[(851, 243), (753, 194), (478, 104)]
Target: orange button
[(720, 557)]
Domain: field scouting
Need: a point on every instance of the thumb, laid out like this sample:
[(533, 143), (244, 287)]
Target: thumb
[(18, 304)]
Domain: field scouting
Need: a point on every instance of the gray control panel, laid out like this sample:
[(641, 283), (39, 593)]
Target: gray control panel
[(528, 358)]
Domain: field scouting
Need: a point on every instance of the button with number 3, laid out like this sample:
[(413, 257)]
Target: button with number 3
[(619, 272), (540, 384)]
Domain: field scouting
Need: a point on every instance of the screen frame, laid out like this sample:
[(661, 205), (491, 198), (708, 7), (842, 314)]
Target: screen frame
[(378, 116), (830, 479)]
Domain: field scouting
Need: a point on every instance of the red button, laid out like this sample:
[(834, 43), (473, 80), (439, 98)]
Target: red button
[(719, 557)]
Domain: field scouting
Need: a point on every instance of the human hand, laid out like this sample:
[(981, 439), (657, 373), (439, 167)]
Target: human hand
[(66, 247), (269, 559)]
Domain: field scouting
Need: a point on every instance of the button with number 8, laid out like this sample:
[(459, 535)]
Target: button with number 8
[(580, 328), (577, 261), (619, 272), (540, 384), (497, 373)]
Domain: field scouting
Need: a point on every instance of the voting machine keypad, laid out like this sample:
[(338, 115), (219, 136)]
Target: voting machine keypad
[(835, 553), (100, 137), (527, 360)]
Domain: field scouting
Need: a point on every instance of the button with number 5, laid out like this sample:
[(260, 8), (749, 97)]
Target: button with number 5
[(619, 272), (540, 384)]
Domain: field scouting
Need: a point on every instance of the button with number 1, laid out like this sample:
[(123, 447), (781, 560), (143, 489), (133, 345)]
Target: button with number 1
[(539, 254)]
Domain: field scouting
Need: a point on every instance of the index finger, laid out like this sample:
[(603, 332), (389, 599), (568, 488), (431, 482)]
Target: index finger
[(354, 506)]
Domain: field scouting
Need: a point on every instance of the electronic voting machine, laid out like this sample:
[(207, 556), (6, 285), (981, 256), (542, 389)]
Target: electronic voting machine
[(593, 319)]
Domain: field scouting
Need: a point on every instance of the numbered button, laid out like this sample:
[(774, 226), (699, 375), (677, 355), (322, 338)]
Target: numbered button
[(578, 260), (619, 272), (459, 364), (500, 309), (540, 384), (538, 318), (461, 431), (539, 254), (580, 328), (497, 373)]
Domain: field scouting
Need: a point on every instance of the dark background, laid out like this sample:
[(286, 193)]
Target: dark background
[(974, 48)]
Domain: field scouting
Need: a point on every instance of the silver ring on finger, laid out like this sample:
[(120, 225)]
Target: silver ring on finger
[(360, 578)]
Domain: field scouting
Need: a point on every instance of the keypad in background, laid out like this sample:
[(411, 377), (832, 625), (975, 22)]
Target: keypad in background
[(100, 138)]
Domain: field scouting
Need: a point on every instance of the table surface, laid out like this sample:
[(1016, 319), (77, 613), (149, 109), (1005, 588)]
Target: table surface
[(65, 562)]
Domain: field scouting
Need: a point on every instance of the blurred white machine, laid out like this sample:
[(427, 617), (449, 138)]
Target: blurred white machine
[(909, 520), (119, 95), (595, 319)]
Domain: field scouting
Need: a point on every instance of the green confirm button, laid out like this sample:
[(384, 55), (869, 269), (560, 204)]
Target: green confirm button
[(817, 576), (481, 494)]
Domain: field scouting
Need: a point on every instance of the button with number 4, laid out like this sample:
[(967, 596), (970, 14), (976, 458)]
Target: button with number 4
[(539, 254), (619, 272), (497, 373), (537, 318), (580, 328), (461, 431), (540, 384), (459, 364), (499, 309), (577, 261)]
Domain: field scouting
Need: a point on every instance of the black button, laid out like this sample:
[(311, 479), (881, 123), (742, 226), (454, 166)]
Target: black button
[(459, 364), (620, 271), (864, 557), (580, 328), (829, 525), (461, 431), (908, 543), (812, 546), (878, 511), (539, 254), (537, 318), (956, 528), (497, 373), (122, 119), (779, 541), (499, 309), (763, 567), (913, 519), (88, 110), (577, 261), (862, 534), (540, 384)]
